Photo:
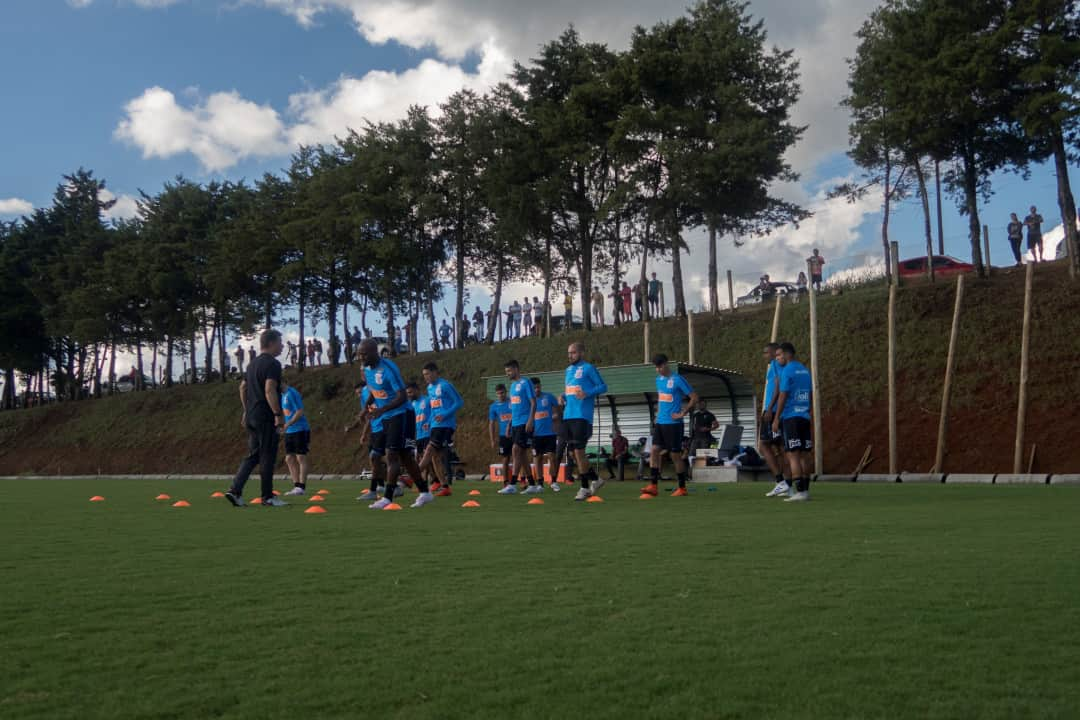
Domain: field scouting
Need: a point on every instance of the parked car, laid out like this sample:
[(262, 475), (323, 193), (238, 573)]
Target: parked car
[(944, 266), (759, 294)]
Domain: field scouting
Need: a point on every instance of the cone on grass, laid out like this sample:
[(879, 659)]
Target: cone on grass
[(97, 498), (218, 494), (595, 499), (181, 503), (536, 501), (256, 501), (645, 496), (315, 510), (163, 496), (316, 499), (324, 492), (392, 506), (471, 504), (276, 493), (474, 493)]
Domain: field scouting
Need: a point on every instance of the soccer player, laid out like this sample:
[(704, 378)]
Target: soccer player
[(444, 402), (793, 407), (583, 386), (297, 437), (371, 434), (667, 434), (499, 417), (522, 408), (771, 444), (260, 396), (387, 389), (421, 412), (544, 438)]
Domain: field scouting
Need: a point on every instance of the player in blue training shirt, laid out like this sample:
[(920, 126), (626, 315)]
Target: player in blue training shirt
[(445, 402), (368, 432), (522, 408), (793, 414), (667, 436), (419, 402), (770, 444), (583, 386), (499, 417), (544, 437), (297, 436), (387, 390)]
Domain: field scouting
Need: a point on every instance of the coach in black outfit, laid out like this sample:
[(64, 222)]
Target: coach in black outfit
[(260, 394)]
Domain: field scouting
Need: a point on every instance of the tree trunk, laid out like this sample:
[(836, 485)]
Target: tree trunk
[(153, 366), (138, 361), (208, 342), (924, 196), (268, 310), (1066, 202), (169, 361), (9, 388), (223, 349), (333, 342), (940, 223), (301, 350), (493, 321), (714, 293), (112, 367), (546, 330), (616, 275), (192, 353), (459, 276), (430, 310), (971, 199), (391, 331), (643, 280), (886, 209), (676, 274)]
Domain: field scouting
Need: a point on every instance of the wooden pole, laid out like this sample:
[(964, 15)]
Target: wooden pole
[(730, 292), (894, 255), (819, 457), (648, 350), (663, 303), (690, 334), (1022, 402), (776, 318), (950, 364), (894, 463), (986, 248)]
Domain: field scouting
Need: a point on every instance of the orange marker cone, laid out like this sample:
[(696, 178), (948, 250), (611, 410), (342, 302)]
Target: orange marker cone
[(471, 504), (315, 510), (595, 498), (536, 501), (324, 492), (97, 498), (181, 503), (163, 496), (645, 496), (316, 498), (218, 494), (474, 493), (276, 493), (392, 506), (256, 501)]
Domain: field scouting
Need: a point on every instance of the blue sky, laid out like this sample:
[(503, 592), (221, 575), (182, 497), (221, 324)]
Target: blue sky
[(143, 90)]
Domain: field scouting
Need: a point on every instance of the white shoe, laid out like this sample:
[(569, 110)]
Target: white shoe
[(294, 492), (509, 490), (799, 497), (782, 488), (368, 496), (533, 490), (399, 491), (423, 500), (596, 484), (275, 502), (582, 495), (555, 487), (379, 504)]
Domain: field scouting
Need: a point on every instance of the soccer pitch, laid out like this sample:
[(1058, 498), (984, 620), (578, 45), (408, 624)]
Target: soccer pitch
[(869, 602)]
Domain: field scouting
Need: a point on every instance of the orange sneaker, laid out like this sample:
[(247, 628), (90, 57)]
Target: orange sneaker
[(680, 492), (435, 486), (650, 489), (445, 492)]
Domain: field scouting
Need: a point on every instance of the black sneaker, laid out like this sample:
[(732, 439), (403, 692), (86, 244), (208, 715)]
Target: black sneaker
[(235, 499)]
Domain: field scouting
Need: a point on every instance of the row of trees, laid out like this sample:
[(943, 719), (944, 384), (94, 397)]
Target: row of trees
[(583, 161), (976, 86)]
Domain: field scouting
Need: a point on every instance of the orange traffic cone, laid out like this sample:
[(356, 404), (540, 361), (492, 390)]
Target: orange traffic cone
[(316, 498), (471, 504), (595, 499), (181, 503), (324, 492), (315, 510), (535, 501), (163, 496), (256, 501), (218, 494), (646, 496), (392, 506), (97, 498), (474, 493)]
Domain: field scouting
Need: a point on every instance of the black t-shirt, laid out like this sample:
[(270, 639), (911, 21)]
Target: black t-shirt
[(260, 370), (703, 422)]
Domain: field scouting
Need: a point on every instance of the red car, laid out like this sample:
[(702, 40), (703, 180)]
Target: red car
[(944, 266)]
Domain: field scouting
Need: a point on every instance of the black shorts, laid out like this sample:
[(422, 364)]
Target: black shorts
[(297, 443), (798, 435), (441, 437), (505, 446), (1034, 241), (543, 444), (578, 433), (391, 438), (668, 437), (520, 436), (766, 434), (421, 446), (377, 446)]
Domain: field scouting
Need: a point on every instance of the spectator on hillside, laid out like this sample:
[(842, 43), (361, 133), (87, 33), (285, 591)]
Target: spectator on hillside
[(310, 353), (568, 312), (478, 324), (639, 301), (1016, 237), (801, 284), (318, 351), (626, 295), (817, 262), (239, 358), (766, 288), (1034, 223), (654, 297), (515, 319), (251, 354), (539, 313), (464, 330), (357, 336), (598, 305), (444, 334), (527, 316), (290, 359)]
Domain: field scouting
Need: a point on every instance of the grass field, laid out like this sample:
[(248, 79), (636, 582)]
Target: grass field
[(870, 602)]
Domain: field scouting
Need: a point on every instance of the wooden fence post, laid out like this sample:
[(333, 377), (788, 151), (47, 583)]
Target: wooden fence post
[(690, 335), (730, 292), (819, 456), (946, 393), (986, 248), (776, 318), (894, 464), (648, 349), (1022, 401)]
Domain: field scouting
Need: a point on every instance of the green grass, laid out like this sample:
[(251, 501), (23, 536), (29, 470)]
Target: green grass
[(870, 602)]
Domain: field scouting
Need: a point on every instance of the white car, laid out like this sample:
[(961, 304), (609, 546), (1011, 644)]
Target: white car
[(757, 295)]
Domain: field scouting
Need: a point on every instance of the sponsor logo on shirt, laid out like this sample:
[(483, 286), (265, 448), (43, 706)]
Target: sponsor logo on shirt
[(515, 400), (572, 390), (379, 394), (436, 403), (667, 397), (506, 418), (540, 415)]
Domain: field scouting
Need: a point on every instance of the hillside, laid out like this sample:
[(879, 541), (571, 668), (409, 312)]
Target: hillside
[(197, 430)]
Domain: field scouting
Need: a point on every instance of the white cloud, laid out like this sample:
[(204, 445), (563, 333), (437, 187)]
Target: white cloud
[(15, 206), (220, 132), (126, 207), (149, 4)]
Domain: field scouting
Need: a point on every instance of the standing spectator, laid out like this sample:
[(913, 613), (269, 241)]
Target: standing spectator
[(800, 286), (527, 316), (702, 425), (539, 312), (239, 359), (1034, 223), (464, 330), (639, 301), (444, 334), (290, 359), (311, 353), (515, 320), (654, 297), (251, 354), (1016, 237), (357, 337), (816, 264), (598, 305), (478, 324), (568, 312), (318, 351), (626, 295)]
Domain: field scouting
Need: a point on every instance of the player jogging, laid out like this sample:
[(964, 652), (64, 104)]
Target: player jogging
[(370, 435), (444, 402), (667, 435), (419, 403), (544, 438), (522, 408), (297, 437), (583, 386), (771, 444), (387, 389), (793, 416), (499, 417)]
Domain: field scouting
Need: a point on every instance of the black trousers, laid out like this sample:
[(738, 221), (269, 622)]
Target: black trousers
[(262, 454), (1015, 244), (616, 467)]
